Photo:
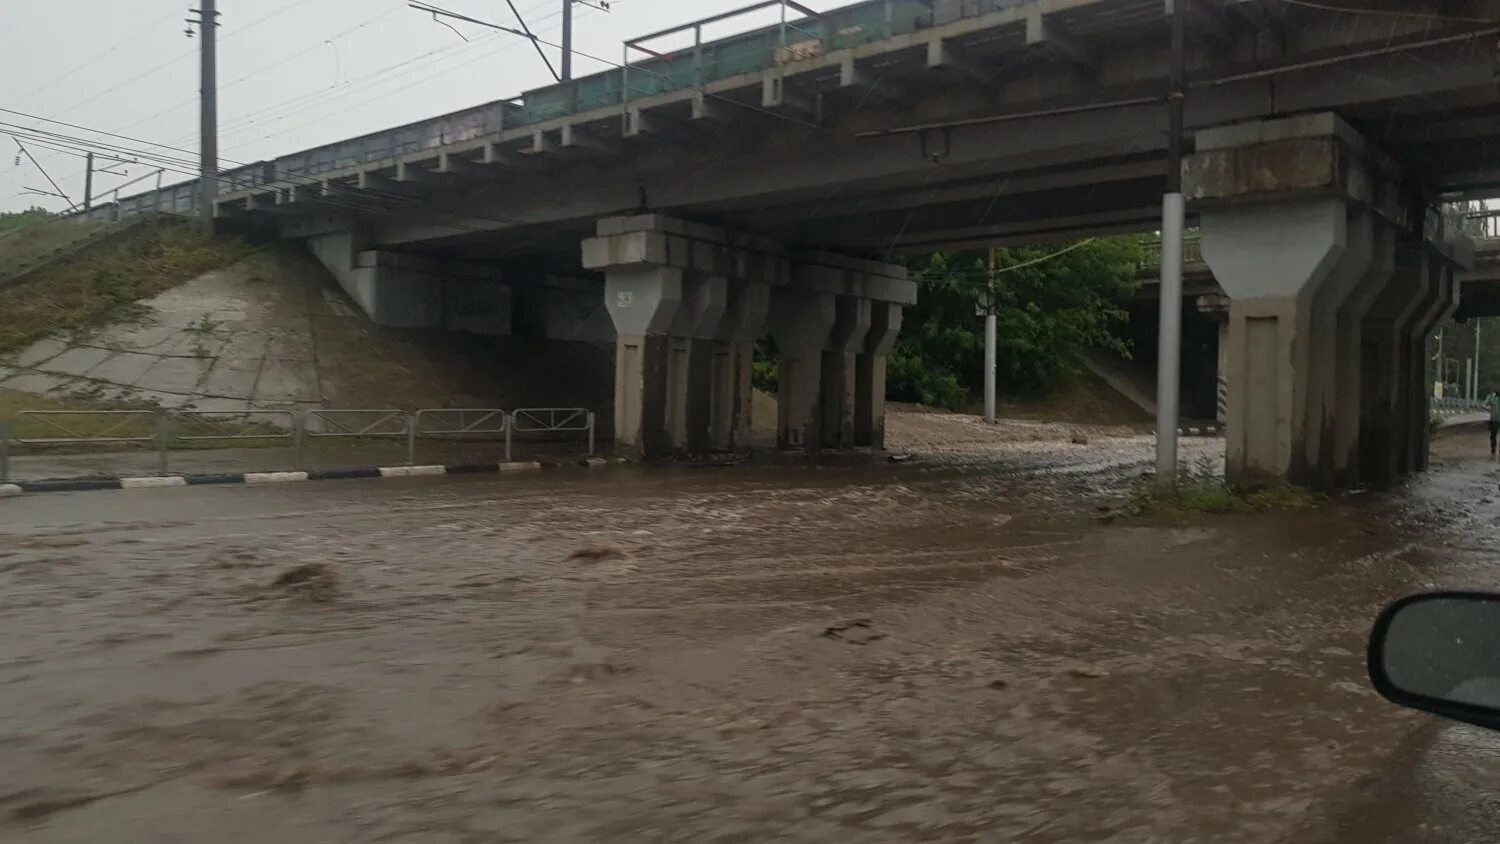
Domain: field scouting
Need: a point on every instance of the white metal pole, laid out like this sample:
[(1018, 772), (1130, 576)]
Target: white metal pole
[(1169, 338), (989, 365), (1478, 334), (1173, 221), (990, 342)]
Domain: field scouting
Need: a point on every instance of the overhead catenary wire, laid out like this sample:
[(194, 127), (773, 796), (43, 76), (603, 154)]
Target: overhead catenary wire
[(127, 41), (267, 66), (313, 99), (982, 277), (60, 191), (176, 58)]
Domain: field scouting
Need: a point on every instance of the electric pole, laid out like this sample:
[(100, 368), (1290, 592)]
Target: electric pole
[(208, 114), (567, 40), (1169, 337), (88, 183), (1478, 334), (990, 339)]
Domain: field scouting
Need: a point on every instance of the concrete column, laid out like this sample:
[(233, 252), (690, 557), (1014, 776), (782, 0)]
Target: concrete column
[(1272, 259), (1442, 301), (690, 369), (1385, 364), (734, 357), (1349, 356), (869, 375), (839, 378), (643, 300), (1324, 462), (800, 322)]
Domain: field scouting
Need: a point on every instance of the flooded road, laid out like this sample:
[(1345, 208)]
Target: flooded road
[(961, 648)]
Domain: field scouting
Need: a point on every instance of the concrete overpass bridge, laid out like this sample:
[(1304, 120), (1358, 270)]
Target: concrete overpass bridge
[(771, 180)]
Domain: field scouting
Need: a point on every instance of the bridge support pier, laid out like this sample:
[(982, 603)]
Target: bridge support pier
[(801, 321), (643, 302), (1299, 221), (689, 301), (1438, 303), (869, 375)]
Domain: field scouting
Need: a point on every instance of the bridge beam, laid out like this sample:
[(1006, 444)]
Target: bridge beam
[(950, 58), (854, 77), (1051, 36)]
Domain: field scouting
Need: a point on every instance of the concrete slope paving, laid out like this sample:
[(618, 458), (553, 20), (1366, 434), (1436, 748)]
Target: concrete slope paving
[(274, 331)]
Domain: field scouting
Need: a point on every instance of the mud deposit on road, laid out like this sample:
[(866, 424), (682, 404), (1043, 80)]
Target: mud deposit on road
[(954, 648)]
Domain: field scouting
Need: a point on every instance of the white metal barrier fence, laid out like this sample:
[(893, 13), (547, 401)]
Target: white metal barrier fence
[(550, 420), (456, 424), (164, 431)]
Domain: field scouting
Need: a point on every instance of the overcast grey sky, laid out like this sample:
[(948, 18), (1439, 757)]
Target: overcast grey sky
[(125, 66)]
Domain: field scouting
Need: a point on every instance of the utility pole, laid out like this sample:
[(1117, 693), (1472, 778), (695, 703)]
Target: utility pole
[(208, 113), (1173, 220), (989, 344), (567, 40), (88, 183), (1478, 333), (1442, 368)]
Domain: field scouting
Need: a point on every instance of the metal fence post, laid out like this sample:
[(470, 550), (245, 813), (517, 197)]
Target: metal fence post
[(7, 430), (591, 433), (163, 440), (299, 434), (510, 422), (411, 438)]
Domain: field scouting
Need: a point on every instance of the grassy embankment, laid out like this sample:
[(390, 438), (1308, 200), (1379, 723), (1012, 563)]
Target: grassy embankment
[(101, 285)]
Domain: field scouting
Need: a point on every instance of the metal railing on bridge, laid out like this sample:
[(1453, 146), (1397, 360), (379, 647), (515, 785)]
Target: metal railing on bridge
[(166, 432), (1192, 251)]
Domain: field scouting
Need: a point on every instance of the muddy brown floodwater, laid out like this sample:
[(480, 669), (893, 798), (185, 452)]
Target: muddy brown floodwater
[(959, 648)]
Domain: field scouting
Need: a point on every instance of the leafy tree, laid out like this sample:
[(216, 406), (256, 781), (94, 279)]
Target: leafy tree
[(1053, 305)]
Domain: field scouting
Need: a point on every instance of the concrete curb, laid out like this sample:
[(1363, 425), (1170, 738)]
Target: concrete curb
[(264, 478)]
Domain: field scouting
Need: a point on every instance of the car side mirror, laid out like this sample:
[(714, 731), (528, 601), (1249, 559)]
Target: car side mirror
[(1440, 652)]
